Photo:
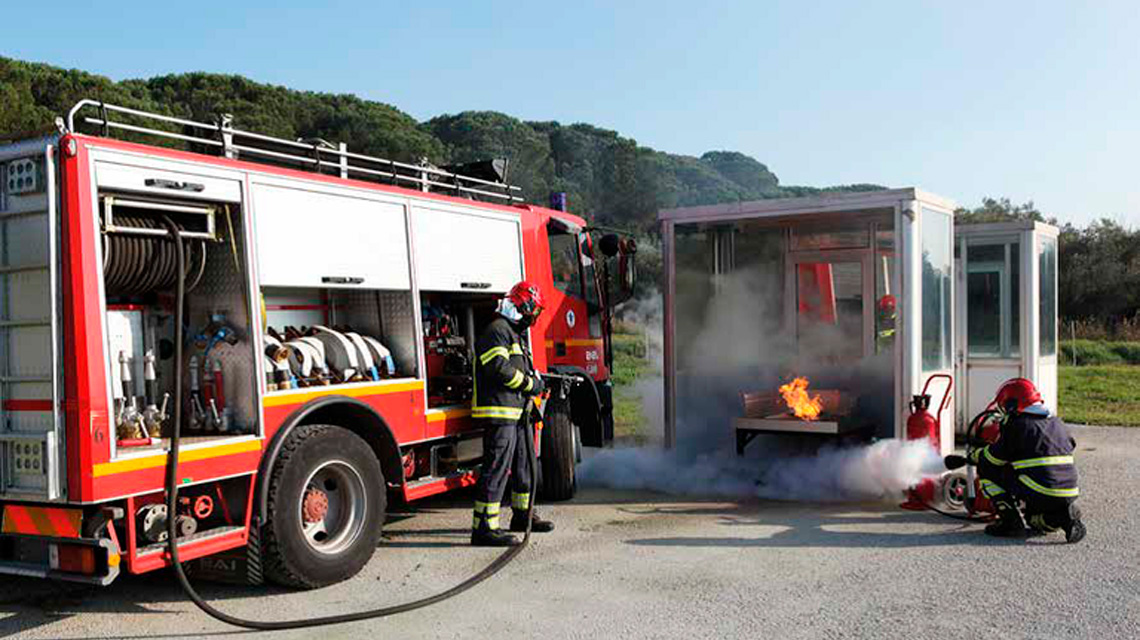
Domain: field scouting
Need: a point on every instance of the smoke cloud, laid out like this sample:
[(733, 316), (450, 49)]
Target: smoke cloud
[(732, 338)]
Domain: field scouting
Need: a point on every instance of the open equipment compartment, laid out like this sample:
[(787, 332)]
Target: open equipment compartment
[(135, 205)]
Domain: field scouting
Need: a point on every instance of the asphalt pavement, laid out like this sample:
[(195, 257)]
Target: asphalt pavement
[(642, 565)]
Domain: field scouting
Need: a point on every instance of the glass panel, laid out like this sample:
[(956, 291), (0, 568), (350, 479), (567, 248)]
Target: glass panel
[(936, 274), (829, 298), (564, 263), (812, 240), (1015, 299), (593, 300), (886, 310), (984, 284), (1047, 259)]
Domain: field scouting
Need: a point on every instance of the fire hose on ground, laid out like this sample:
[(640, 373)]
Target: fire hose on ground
[(172, 501)]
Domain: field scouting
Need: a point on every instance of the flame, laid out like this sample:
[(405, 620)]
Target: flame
[(796, 396)]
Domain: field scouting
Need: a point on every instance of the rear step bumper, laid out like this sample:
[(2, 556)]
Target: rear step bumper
[(92, 561)]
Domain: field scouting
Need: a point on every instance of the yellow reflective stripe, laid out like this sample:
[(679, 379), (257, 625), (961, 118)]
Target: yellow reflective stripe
[(1054, 493), (1042, 462), (516, 380), (516, 349), (520, 500), (493, 522), (490, 508), (513, 413), (490, 354), (991, 489), (529, 384), (992, 458)]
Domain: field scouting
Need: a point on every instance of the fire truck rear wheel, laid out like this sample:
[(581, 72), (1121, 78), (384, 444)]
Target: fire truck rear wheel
[(559, 454), (325, 509)]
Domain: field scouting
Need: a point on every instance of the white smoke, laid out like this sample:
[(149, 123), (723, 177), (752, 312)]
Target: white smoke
[(740, 345), (880, 470), (883, 469)]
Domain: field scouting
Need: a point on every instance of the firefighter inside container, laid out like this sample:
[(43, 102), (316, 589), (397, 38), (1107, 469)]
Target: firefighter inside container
[(1031, 461), (505, 383), (886, 316)]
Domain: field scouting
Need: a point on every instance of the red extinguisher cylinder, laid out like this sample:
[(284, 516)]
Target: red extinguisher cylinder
[(921, 424)]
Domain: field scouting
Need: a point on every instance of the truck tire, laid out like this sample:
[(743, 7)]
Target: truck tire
[(326, 506), (559, 454)]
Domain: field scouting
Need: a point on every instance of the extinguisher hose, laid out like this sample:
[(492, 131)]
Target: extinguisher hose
[(172, 502), (974, 425)]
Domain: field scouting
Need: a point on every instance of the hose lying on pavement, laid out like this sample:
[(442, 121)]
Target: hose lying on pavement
[(172, 502)]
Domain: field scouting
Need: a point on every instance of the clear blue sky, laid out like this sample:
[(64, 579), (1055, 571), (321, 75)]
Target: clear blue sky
[(1031, 100)]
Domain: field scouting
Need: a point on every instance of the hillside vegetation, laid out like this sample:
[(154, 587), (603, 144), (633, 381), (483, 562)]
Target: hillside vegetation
[(609, 178)]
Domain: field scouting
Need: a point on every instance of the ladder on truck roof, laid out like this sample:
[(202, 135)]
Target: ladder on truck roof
[(314, 155)]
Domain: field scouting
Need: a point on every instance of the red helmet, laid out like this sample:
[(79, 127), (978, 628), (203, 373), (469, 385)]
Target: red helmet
[(1017, 394), (527, 298), (887, 304)]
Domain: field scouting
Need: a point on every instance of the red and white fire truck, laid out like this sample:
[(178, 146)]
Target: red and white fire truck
[(332, 301)]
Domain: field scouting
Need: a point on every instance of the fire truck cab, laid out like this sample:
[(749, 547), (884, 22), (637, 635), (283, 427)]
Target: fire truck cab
[(331, 297)]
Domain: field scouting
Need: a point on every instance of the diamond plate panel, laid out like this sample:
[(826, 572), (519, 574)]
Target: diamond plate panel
[(222, 291), (388, 315)]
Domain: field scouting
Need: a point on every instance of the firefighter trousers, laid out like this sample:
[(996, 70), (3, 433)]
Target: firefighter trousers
[(504, 461), (1043, 513)]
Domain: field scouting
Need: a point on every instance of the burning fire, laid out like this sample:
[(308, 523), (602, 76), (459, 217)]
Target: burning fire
[(796, 396)]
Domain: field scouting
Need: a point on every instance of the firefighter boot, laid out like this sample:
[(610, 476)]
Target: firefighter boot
[(484, 537), (1075, 529), (1010, 522), (537, 524)]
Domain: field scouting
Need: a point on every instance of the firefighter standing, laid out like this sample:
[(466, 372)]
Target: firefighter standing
[(1032, 460), (505, 381)]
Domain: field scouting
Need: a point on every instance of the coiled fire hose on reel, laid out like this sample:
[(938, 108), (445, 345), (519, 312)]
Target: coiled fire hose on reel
[(172, 502)]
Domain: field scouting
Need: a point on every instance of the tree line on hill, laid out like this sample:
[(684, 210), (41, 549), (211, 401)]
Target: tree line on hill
[(609, 178)]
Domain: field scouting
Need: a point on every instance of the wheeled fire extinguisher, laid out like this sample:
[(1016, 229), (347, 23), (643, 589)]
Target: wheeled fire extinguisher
[(922, 424)]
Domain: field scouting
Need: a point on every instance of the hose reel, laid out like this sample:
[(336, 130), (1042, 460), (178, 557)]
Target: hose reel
[(138, 254)]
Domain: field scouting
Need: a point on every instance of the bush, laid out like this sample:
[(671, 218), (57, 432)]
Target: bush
[(1098, 352)]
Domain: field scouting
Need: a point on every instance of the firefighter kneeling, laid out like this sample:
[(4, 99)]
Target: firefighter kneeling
[(505, 381), (1032, 461)]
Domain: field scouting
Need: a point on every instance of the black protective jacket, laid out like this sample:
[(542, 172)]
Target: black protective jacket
[(1037, 451), (504, 374)]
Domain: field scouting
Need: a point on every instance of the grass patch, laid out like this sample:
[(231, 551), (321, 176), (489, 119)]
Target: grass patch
[(630, 364), (1102, 395), (1099, 352)]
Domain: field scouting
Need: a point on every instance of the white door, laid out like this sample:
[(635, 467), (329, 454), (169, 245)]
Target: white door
[(312, 235), (461, 249), (991, 312)]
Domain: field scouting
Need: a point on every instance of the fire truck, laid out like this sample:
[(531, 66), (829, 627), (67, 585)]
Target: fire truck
[(332, 300)]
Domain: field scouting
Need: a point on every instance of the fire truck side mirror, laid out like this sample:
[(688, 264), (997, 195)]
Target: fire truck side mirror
[(610, 244)]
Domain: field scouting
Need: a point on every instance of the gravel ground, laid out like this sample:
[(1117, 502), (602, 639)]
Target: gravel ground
[(638, 565)]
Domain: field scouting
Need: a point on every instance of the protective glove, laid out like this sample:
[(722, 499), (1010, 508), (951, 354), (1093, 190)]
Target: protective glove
[(954, 461), (537, 387)]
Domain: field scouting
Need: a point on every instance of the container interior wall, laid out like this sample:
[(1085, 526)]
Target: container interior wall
[(759, 303)]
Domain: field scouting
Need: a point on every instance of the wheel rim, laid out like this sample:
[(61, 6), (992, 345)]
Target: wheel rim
[(333, 507), (955, 491)]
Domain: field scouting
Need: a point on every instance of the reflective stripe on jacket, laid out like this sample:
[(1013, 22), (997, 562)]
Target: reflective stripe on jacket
[(1039, 452), (504, 374)]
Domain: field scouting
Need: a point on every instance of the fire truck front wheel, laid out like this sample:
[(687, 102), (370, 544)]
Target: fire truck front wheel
[(325, 509), (560, 452)]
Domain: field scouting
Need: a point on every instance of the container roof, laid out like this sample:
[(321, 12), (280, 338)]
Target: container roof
[(823, 203)]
